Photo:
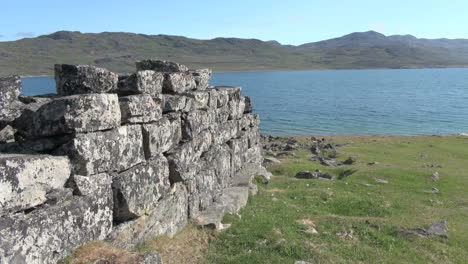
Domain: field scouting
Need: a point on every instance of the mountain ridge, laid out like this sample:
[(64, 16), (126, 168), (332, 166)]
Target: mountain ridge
[(118, 52)]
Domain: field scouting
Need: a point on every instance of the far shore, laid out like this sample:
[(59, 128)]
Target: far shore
[(289, 70)]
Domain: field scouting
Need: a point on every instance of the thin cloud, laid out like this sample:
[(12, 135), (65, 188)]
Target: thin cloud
[(25, 34)]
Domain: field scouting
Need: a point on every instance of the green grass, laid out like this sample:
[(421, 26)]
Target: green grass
[(270, 230)]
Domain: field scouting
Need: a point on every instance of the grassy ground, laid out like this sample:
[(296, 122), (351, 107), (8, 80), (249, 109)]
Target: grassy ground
[(357, 219)]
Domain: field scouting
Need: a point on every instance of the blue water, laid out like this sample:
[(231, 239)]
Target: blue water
[(346, 102)]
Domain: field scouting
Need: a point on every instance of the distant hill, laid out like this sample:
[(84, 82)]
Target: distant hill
[(119, 51)]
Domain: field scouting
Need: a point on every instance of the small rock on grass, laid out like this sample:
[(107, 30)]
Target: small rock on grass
[(349, 161), (435, 176), (285, 154), (270, 161), (302, 262), (381, 181), (373, 163), (433, 190)]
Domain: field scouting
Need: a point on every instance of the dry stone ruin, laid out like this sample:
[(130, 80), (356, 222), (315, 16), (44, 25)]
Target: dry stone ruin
[(121, 158)]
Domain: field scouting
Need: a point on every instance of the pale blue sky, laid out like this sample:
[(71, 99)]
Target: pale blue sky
[(290, 22)]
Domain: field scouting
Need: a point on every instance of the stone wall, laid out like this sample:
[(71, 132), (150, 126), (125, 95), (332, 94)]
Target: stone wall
[(120, 158)]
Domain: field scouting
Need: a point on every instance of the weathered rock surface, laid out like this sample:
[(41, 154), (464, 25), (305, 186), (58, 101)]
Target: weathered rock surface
[(113, 150), (160, 66), (84, 79), (174, 103), (314, 175), (270, 161), (137, 109), (151, 257), (202, 78), (142, 82), (161, 136), (178, 82), (50, 233), (7, 134), (10, 89), (25, 180), (138, 189), (168, 217), (69, 114)]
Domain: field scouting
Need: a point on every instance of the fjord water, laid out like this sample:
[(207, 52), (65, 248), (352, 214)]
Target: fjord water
[(404, 102)]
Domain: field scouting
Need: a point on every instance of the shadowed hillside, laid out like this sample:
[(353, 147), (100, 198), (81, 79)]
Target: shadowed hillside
[(118, 52)]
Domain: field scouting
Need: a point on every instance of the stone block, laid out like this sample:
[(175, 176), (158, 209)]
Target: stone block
[(178, 82), (84, 79), (167, 218), (139, 109), (175, 103), (10, 89), (26, 179), (202, 78), (52, 232), (138, 189), (248, 105), (70, 114), (196, 121), (162, 136), (200, 99), (160, 66), (142, 82), (130, 146)]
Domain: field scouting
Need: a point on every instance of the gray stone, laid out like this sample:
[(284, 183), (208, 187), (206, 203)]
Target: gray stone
[(52, 232), (350, 161), (10, 89), (314, 175), (196, 121), (329, 162), (233, 93), (160, 66), (213, 100), (183, 158), (84, 79), (264, 174), (178, 82), (151, 257), (26, 179), (76, 113), (202, 78), (285, 154), (130, 146), (161, 136), (222, 96), (381, 181), (435, 176), (438, 229), (142, 82), (270, 161), (138, 189), (223, 132), (139, 109), (211, 217), (236, 109), (234, 198), (200, 99), (168, 218), (238, 149), (113, 150), (7, 134), (10, 112), (175, 102)]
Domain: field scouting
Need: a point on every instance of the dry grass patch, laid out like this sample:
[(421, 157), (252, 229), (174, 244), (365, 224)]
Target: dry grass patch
[(102, 252), (275, 190), (188, 246)]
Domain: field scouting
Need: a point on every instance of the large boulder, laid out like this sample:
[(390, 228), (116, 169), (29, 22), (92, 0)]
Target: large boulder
[(139, 109), (142, 82), (53, 231), (137, 190), (178, 82), (25, 180), (84, 79), (160, 66), (69, 114), (168, 217), (161, 136)]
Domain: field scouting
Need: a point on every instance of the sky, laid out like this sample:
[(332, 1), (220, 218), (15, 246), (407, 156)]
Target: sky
[(289, 22)]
